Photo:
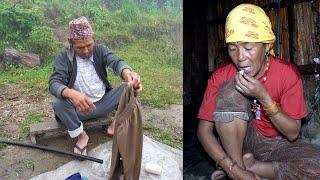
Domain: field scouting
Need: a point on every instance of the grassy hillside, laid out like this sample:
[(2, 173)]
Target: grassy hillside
[(147, 34)]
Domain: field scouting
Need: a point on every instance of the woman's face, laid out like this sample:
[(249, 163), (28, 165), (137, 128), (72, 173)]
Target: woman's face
[(249, 57)]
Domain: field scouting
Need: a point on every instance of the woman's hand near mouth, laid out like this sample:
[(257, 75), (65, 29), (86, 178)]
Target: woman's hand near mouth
[(250, 86)]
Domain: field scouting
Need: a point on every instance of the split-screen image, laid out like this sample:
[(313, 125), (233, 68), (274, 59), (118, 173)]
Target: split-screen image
[(159, 89)]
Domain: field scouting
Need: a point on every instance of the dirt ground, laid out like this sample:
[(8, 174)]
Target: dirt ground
[(17, 102)]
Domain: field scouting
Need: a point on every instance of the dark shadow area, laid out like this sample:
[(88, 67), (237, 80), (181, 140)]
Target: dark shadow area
[(196, 163), (204, 49)]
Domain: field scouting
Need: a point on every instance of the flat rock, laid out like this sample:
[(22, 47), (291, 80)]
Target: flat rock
[(168, 158)]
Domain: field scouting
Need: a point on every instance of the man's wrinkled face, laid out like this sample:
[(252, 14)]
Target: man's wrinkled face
[(83, 48), (249, 57)]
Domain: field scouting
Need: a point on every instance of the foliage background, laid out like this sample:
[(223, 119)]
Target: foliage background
[(145, 33)]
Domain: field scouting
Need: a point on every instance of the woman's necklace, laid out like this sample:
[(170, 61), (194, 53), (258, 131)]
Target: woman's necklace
[(255, 105)]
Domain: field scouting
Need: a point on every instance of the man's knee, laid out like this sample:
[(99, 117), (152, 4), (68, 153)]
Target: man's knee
[(60, 104)]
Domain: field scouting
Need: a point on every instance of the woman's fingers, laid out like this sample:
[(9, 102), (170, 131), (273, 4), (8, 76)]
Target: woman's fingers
[(239, 84)]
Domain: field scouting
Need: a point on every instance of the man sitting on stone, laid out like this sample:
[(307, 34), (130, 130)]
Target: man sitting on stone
[(79, 82)]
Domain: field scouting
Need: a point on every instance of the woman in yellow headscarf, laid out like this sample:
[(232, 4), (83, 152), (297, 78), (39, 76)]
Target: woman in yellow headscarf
[(256, 103)]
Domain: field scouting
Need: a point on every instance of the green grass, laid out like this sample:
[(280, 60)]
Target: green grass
[(151, 117), (139, 33), (37, 78), (161, 78), (2, 146), (2, 88), (19, 170), (33, 117), (2, 135), (163, 136), (27, 164)]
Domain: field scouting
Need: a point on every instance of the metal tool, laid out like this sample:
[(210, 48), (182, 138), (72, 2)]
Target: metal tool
[(51, 149)]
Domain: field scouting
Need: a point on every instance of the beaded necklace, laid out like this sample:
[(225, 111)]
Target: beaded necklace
[(255, 105)]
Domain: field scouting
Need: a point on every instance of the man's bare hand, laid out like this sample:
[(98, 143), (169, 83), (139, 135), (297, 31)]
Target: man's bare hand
[(132, 78), (80, 100)]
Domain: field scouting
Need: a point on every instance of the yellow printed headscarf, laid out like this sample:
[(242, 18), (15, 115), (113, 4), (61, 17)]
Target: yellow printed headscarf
[(248, 23)]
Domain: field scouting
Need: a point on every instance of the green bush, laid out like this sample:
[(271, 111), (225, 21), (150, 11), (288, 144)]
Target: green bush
[(114, 39), (151, 27), (41, 41), (15, 25), (129, 11), (21, 29)]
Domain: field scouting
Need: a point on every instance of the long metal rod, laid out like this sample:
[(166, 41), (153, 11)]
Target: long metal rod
[(51, 149)]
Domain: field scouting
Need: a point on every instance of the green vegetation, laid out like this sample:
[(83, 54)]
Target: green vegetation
[(144, 33), (33, 117), (27, 164), (2, 146), (21, 28), (163, 136), (2, 135), (150, 117)]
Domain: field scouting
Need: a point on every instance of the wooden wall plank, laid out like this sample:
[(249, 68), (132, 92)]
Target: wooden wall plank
[(283, 34), (304, 45), (316, 16)]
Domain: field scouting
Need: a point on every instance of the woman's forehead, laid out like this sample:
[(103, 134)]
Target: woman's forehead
[(245, 43)]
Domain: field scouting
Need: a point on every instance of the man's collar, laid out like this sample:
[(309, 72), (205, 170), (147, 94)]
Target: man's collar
[(90, 58), (70, 53)]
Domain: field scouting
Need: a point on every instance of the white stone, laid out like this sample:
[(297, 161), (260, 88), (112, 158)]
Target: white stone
[(168, 158)]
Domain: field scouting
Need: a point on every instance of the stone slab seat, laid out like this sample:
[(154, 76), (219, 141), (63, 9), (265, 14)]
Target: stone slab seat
[(54, 128)]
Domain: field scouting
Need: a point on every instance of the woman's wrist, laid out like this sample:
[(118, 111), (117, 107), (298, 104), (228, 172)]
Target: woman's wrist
[(222, 159), (229, 165), (234, 170), (265, 100), (270, 107)]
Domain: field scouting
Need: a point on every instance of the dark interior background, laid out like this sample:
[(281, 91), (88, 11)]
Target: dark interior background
[(296, 24)]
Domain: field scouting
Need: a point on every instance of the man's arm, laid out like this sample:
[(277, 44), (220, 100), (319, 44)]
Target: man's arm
[(112, 62), (121, 68), (132, 78), (58, 85), (60, 76), (80, 100)]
